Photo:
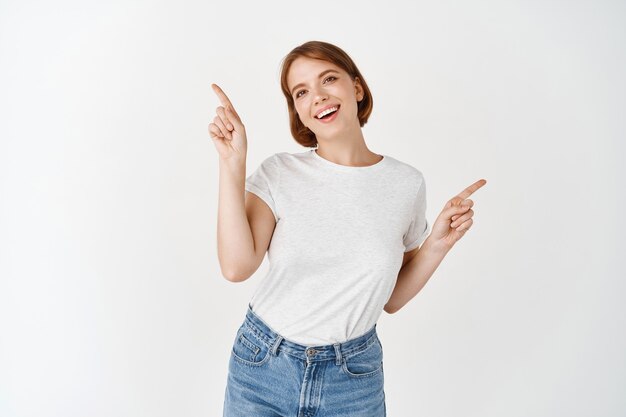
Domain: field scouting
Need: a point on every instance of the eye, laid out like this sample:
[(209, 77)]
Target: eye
[(326, 79)]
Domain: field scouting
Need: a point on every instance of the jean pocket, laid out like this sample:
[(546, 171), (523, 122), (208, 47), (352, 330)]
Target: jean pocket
[(249, 348), (366, 362)]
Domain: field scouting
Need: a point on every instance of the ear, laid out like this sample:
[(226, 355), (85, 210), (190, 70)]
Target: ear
[(358, 89)]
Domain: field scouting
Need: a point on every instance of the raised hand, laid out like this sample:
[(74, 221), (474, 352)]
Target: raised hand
[(456, 217), (227, 131)]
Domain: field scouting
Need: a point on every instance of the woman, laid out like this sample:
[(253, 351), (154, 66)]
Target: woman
[(349, 239)]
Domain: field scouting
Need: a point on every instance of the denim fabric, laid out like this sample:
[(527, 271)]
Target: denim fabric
[(269, 376)]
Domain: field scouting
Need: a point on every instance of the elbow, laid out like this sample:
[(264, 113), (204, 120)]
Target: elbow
[(389, 310), (234, 270), (234, 275)]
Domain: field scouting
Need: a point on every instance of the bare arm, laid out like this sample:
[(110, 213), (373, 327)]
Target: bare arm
[(235, 243), (415, 274), (245, 223), (417, 268)]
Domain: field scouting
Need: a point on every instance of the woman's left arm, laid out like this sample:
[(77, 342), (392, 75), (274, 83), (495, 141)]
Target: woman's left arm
[(454, 220)]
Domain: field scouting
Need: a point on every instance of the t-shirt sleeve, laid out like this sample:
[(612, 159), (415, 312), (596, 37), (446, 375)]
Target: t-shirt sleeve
[(420, 228), (264, 183)]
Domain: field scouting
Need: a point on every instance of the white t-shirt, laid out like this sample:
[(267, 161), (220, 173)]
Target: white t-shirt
[(338, 244)]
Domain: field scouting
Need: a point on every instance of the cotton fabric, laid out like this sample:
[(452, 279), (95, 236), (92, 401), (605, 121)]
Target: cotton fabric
[(338, 244)]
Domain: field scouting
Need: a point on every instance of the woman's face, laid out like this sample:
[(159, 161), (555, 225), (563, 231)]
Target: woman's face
[(316, 85)]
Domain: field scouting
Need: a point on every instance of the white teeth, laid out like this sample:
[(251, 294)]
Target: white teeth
[(325, 112)]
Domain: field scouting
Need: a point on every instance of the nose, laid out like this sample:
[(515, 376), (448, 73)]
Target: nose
[(320, 96)]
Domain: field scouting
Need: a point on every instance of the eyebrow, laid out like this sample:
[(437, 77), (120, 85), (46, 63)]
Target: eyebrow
[(319, 76)]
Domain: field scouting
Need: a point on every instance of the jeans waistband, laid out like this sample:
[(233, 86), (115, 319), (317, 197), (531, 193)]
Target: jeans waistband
[(309, 353)]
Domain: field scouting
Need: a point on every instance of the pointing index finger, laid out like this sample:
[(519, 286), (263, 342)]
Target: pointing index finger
[(471, 189), (222, 96), (225, 100)]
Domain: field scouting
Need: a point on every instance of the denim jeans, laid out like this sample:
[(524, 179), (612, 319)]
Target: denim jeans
[(271, 376)]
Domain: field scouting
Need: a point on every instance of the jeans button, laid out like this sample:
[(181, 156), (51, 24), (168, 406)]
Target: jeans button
[(311, 352)]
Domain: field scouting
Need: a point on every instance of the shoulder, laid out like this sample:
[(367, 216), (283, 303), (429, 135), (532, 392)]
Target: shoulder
[(281, 162), (290, 162), (404, 171), (279, 157), (272, 162), (287, 157)]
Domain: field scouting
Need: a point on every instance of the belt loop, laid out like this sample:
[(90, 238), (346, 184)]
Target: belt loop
[(337, 354), (276, 343)]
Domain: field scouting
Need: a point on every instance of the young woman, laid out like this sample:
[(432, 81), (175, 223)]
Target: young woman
[(346, 236)]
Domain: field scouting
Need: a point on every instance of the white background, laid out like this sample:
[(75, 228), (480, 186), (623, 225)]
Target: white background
[(111, 297)]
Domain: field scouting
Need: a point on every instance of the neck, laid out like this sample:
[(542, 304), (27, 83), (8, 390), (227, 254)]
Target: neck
[(347, 148)]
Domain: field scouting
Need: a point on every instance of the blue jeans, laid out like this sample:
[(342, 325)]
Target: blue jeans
[(269, 376)]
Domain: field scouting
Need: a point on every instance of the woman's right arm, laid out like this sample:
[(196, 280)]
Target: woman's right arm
[(235, 244), (245, 222)]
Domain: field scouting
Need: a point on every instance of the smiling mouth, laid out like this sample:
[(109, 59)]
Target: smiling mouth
[(329, 114)]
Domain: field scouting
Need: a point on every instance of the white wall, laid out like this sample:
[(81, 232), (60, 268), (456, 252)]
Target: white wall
[(111, 298)]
